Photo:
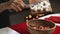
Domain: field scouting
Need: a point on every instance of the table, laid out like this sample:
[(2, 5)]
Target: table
[(22, 28), (8, 30)]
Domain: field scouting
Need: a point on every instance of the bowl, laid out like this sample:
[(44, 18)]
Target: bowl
[(40, 26)]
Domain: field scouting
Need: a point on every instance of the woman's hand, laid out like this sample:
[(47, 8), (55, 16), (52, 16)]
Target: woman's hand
[(34, 1), (17, 5)]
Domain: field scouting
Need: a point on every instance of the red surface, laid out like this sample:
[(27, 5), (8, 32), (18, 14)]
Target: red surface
[(55, 19), (22, 28)]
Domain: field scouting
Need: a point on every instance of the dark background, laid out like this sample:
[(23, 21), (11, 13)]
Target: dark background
[(16, 18)]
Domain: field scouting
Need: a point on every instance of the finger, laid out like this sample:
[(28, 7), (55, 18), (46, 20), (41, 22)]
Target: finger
[(19, 0), (15, 0), (22, 3), (12, 7), (17, 6)]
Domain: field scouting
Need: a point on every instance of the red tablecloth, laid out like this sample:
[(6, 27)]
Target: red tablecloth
[(55, 19), (22, 28)]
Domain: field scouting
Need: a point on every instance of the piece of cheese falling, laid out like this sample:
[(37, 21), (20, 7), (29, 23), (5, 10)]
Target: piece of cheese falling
[(47, 10), (41, 9), (45, 7)]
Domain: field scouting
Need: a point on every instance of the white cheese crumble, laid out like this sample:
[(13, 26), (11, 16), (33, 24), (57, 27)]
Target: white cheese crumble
[(40, 6)]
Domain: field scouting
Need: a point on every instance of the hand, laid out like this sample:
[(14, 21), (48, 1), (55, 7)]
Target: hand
[(34, 1), (17, 5)]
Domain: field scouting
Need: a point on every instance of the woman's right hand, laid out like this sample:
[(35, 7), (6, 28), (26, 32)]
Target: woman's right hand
[(33, 1), (18, 5)]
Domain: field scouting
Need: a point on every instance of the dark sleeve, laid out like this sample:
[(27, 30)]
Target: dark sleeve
[(2, 1), (4, 19)]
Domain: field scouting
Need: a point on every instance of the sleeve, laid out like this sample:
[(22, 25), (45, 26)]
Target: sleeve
[(2, 1)]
